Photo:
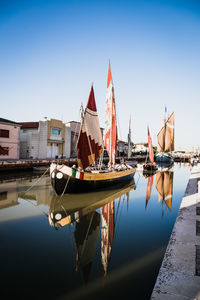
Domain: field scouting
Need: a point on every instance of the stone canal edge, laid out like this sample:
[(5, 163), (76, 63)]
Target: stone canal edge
[(179, 275)]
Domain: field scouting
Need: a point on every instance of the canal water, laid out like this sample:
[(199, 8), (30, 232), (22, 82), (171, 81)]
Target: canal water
[(86, 246)]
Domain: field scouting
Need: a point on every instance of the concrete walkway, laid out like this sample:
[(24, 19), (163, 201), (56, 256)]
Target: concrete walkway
[(179, 275)]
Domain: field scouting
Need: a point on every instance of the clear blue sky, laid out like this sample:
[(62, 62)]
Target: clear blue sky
[(51, 52)]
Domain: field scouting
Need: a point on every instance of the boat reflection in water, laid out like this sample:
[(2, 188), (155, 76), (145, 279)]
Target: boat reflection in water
[(164, 186), (80, 210)]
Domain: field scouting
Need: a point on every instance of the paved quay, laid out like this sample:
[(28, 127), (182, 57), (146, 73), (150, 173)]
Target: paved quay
[(179, 275)]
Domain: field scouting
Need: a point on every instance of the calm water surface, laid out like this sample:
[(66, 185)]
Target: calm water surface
[(87, 246)]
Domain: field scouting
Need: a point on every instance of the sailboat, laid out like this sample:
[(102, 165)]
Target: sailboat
[(88, 175), (129, 140), (149, 166), (166, 142)]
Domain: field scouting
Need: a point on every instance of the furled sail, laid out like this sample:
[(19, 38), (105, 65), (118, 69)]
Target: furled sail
[(166, 136), (110, 122), (90, 141), (151, 154), (129, 140)]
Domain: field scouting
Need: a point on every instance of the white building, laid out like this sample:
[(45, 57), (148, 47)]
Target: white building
[(45, 139), (140, 147)]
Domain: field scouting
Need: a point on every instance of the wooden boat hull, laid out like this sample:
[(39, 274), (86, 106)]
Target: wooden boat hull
[(64, 182)]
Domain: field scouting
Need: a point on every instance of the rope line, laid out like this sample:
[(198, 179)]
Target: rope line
[(37, 180), (65, 187)]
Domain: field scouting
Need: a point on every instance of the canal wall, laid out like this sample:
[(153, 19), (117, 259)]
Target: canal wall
[(179, 275), (29, 164), (16, 165)]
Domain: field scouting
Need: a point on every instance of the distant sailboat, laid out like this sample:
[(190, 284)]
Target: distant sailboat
[(84, 178), (166, 142), (150, 165), (129, 161)]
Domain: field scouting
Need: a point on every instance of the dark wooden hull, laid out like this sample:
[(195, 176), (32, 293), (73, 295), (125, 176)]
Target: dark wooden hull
[(164, 160), (69, 184)]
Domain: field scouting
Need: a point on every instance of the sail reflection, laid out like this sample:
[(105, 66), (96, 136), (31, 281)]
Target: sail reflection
[(107, 233), (81, 211), (149, 188), (86, 236), (164, 186)]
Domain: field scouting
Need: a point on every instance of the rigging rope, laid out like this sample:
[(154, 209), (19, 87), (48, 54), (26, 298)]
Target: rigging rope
[(65, 187), (37, 180)]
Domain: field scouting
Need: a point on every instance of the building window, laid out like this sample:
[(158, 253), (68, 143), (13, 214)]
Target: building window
[(56, 131), (3, 196), (4, 133), (4, 151)]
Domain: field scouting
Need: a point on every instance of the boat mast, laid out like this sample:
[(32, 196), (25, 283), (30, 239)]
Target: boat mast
[(111, 153)]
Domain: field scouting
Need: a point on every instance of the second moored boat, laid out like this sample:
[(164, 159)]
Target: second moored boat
[(166, 142)]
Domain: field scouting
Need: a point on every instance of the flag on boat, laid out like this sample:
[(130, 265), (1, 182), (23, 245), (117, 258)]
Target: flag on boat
[(151, 154), (90, 141), (110, 122)]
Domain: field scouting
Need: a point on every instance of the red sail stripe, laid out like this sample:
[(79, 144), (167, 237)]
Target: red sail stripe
[(87, 146), (91, 101), (109, 76)]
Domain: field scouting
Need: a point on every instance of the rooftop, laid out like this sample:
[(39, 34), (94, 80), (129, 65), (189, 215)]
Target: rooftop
[(29, 124), (2, 120)]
